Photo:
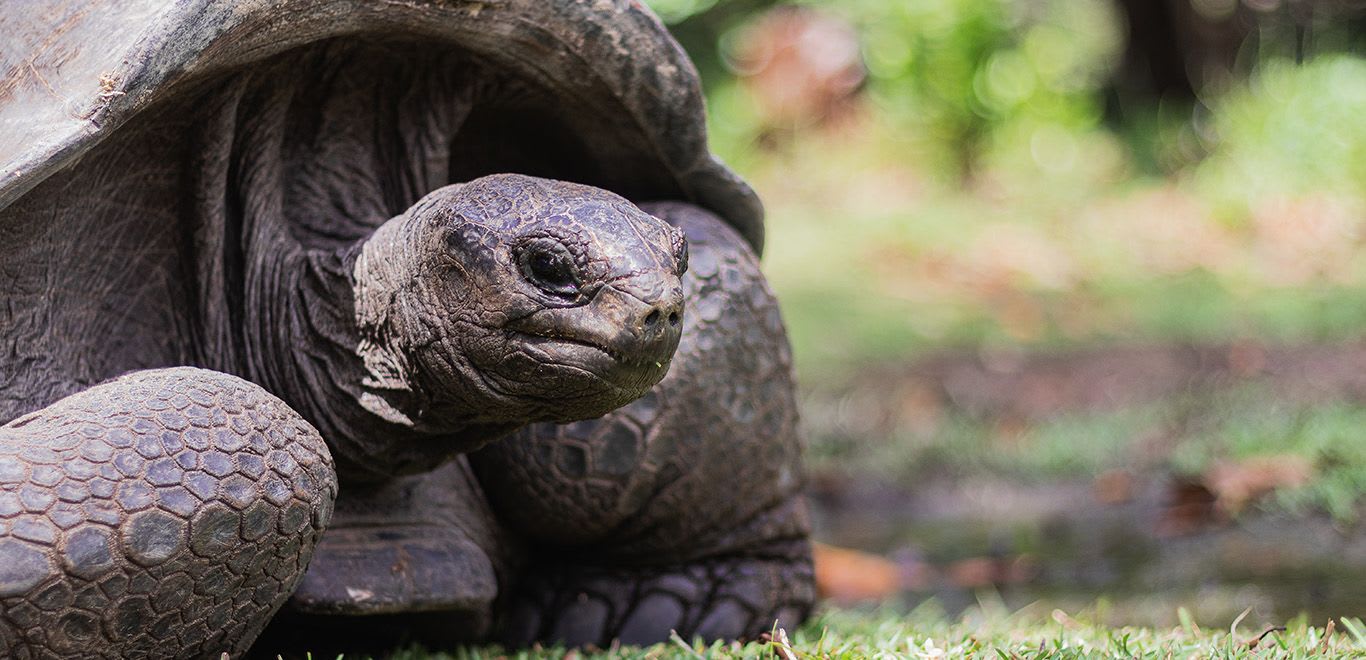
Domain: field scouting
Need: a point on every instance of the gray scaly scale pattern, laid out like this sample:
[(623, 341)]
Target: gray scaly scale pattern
[(166, 513)]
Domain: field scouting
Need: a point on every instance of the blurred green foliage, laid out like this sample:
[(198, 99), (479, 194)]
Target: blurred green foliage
[(982, 195), (979, 195), (957, 73), (948, 76), (957, 80), (1291, 130)]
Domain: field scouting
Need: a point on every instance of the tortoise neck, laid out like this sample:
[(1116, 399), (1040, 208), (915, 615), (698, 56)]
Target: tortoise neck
[(321, 350), (305, 349), (301, 339)]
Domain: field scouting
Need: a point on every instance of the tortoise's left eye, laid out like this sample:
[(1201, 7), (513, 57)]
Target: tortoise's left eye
[(548, 266)]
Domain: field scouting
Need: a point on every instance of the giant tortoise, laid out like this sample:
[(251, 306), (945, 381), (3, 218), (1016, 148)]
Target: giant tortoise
[(336, 312)]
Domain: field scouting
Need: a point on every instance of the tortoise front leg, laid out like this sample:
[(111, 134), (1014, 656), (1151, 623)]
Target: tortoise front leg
[(682, 510), (166, 513)]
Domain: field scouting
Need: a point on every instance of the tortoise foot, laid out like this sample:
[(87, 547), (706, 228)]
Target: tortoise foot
[(720, 599), (167, 513)]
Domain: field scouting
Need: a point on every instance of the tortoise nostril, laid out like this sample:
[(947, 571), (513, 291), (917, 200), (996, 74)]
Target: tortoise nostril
[(673, 319), (652, 318)]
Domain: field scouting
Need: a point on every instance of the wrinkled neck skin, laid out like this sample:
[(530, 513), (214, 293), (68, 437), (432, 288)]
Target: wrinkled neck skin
[(325, 345)]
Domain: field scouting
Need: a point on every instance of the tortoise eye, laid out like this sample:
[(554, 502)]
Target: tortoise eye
[(550, 268)]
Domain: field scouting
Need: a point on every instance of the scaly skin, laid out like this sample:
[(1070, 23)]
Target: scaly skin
[(439, 332), (253, 223), (486, 305), (682, 510), (167, 513)]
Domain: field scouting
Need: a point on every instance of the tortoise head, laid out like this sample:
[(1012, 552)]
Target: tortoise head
[(512, 298)]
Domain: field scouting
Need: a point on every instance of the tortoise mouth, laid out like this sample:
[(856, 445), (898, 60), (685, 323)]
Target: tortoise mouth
[(609, 365), (547, 341)]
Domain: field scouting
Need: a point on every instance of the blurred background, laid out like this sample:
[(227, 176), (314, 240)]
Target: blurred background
[(1077, 290)]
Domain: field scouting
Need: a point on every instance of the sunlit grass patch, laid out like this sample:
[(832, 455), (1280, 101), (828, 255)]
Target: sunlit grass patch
[(987, 632)]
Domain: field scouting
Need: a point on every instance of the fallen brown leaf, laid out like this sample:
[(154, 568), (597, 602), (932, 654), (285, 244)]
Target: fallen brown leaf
[(846, 575), (973, 573), (1235, 484)]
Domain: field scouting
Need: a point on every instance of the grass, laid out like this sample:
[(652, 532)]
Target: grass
[(989, 632)]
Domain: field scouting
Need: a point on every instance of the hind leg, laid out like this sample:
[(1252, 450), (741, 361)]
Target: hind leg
[(166, 513), (681, 511)]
